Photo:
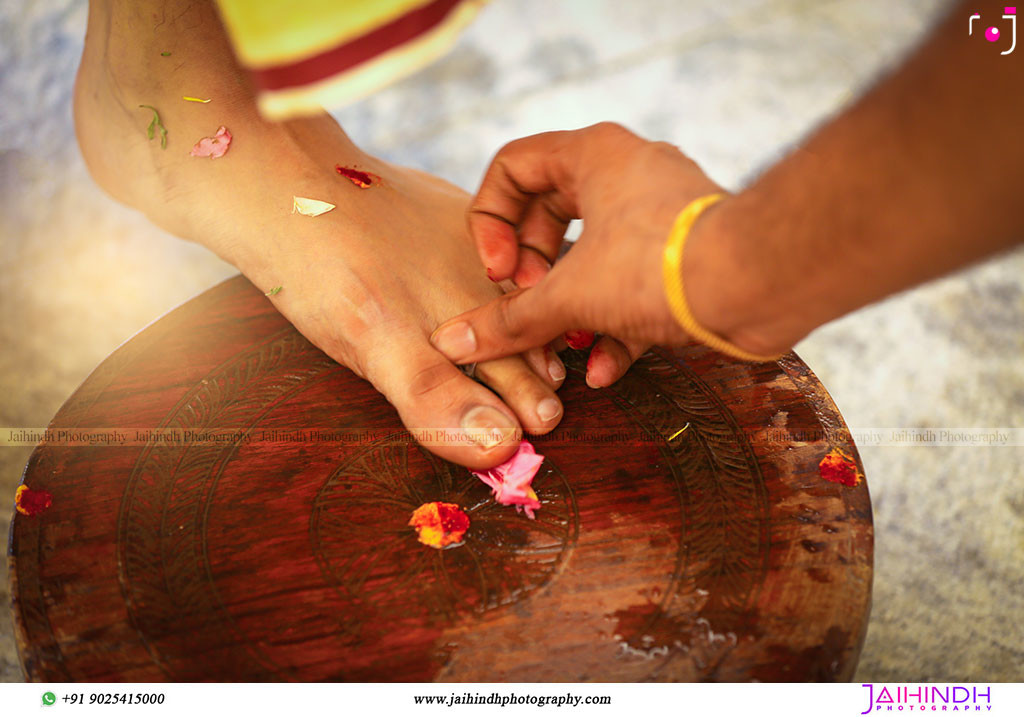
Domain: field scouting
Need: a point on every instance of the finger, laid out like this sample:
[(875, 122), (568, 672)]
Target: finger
[(610, 359), (544, 223), (525, 392), (521, 169), (496, 242), (532, 267), (448, 412), (509, 324)]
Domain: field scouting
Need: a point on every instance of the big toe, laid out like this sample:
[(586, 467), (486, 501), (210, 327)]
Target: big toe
[(446, 411)]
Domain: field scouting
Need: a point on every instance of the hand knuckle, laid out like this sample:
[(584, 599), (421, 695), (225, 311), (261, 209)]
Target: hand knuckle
[(507, 318), (609, 129)]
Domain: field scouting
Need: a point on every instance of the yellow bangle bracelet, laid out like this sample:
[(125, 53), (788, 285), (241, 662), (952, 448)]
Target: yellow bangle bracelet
[(672, 275)]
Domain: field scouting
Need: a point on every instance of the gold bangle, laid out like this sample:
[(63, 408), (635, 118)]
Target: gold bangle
[(672, 275)]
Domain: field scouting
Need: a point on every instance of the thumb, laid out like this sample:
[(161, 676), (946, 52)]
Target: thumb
[(510, 324)]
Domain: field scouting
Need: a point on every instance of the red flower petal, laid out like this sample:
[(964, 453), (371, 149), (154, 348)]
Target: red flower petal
[(31, 502), (360, 179), (439, 524), (579, 339), (213, 147), (839, 467)]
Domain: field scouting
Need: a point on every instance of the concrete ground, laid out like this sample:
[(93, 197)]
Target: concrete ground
[(734, 84)]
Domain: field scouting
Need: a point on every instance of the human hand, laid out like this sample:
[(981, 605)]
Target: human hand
[(628, 191)]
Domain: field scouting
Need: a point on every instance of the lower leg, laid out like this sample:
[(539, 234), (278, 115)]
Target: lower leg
[(366, 282)]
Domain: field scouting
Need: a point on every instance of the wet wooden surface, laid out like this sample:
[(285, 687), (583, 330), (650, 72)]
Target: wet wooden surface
[(252, 526)]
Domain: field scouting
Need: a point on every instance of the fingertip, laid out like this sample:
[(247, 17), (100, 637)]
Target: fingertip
[(455, 338), (607, 362), (496, 244), (531, 268), (610, 359)]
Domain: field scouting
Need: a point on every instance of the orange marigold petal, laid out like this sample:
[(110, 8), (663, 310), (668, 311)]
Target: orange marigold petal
[(440, 525)]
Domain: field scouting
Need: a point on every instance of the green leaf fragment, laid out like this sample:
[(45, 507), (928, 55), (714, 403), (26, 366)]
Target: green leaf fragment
[(273, 292), (165, 54), (155, 124)]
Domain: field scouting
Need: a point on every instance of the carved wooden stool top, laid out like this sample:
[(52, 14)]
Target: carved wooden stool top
[(271, 541)]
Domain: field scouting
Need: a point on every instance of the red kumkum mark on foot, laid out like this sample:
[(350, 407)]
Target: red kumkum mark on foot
[(839, 467), (360, 179), (31, 502), (579, 339), (440, 525)]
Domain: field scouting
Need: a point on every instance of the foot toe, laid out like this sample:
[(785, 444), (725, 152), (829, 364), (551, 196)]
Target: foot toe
[(446, 411), (532, 398)]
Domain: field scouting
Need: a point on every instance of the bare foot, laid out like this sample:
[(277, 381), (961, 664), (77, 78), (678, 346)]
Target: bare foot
[(366, 282)]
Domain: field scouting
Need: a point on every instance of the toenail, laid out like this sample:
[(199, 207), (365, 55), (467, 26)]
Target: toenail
[(556, 370), (548, 409), (455, 341), (487, 427)]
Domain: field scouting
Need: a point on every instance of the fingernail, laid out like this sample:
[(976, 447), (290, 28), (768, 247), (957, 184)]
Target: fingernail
[(456, 341), (548, 409), (556, 369), (487, 427)]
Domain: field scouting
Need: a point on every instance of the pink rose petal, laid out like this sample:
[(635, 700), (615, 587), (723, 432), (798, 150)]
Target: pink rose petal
[(510, 481), (213, 147)]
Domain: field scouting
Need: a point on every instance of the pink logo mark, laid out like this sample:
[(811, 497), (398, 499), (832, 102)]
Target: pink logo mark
[(993, 33)]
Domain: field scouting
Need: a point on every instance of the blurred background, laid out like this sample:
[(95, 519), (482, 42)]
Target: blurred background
[(734, 85)]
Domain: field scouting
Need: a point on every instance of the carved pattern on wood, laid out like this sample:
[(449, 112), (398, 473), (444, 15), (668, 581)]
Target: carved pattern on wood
[(504, 558), (163, 560), (724, 506)]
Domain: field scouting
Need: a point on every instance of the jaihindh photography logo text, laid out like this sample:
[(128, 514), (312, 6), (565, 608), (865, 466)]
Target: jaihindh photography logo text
[(930, 698)]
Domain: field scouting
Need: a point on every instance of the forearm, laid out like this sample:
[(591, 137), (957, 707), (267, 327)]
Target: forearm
[(920, 177)]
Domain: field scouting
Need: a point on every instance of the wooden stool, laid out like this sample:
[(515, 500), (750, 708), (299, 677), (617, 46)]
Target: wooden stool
[(251, 524)]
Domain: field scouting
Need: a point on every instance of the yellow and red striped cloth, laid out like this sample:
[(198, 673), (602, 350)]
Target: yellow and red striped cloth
[(308, 54)]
